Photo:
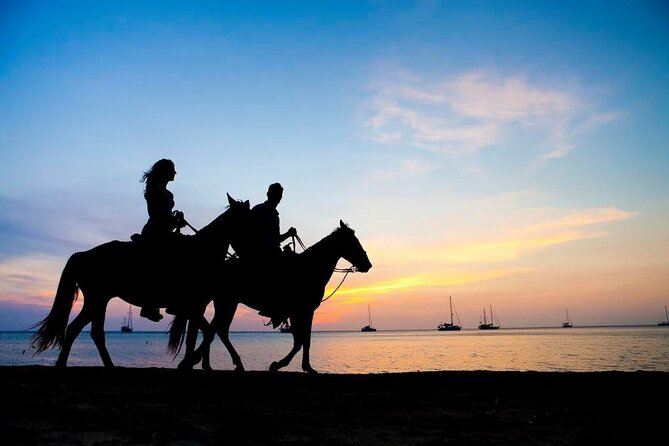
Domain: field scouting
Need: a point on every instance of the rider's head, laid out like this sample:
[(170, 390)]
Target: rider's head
[(162, 172), (274, 194)]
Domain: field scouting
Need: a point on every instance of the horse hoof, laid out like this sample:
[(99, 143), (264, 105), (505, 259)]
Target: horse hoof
[(239, 369), (185, 365), (274, 367), (310, 371)]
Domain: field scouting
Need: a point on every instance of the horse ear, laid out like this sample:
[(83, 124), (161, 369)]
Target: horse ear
[(341, 224), (230, 199), (247, 204)]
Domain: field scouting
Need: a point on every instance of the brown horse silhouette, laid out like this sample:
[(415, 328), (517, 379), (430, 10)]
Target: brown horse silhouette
[(296, 296), (120, 269)]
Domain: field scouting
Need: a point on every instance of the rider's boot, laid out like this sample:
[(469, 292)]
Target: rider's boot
[(173, 310), (151, 313)]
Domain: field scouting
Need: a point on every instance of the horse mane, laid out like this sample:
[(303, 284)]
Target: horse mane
[(346, 227), (209, 226), (334, 233)]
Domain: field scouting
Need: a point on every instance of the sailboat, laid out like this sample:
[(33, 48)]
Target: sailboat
[(567, 322), (664, 323), (127, 323), (446, 326), (369, 326), (485, 325)]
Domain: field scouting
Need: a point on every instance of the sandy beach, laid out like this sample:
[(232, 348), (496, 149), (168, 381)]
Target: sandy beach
[(91, 405)]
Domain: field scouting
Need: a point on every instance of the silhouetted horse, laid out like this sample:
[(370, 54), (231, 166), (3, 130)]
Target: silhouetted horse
[(129, 270), (295, 292)]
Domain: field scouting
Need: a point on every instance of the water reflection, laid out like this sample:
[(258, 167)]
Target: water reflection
[(577, 349)]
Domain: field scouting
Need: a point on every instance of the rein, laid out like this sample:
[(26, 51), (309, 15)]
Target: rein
[(297, 237), (340, 270), (351, 269)]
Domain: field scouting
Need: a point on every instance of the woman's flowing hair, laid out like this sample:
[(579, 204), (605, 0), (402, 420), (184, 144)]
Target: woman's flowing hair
[(160, 169)]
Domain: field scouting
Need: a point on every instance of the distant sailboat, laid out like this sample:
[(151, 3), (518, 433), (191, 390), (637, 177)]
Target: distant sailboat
[(127, 323), (664, 323), (485, 325), (567, 322), (369, 327), (446, 326)]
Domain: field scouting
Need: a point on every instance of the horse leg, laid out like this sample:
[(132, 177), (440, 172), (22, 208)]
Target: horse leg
[(98, 335), (306, 343), (71, 333), (225, 313), (298, 339), (203, 350), (191, 358)]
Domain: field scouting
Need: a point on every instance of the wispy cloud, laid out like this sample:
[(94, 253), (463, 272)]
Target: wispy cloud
[(557, 228), (413, 266), (473, 110), (412, 283), (29, 279)]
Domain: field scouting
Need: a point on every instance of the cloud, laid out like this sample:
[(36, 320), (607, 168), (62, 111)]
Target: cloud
[(507, 100), (412, 283), (474, 110), (524, 240), (30, 279), (411, 266)]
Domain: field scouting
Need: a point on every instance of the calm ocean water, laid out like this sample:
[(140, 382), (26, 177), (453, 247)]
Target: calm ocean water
[(540, 349)]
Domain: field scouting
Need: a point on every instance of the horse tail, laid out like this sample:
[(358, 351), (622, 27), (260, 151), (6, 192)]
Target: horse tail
[(177, 334), (51, 330)]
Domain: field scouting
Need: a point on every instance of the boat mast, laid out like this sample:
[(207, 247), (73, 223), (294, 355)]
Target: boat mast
[(666, 314), (492, 319), (450, 302), (369, 314), (130, 316), (566, 312), (485, 322)]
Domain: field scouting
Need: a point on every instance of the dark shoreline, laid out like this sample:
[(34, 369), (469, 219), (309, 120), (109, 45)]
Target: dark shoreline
[(472, 328), (91, 405)]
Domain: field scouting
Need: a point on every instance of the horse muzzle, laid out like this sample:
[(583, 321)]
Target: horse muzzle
[(364, 267)]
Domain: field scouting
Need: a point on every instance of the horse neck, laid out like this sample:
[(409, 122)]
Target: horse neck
[(215, 232), (323, 257), (215, 227)]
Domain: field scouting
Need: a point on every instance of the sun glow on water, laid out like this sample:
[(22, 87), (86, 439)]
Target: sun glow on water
[(577, 349)]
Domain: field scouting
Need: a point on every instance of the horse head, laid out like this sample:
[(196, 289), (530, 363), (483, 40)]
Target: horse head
[(240, 224), (351, 249), (231, 227)]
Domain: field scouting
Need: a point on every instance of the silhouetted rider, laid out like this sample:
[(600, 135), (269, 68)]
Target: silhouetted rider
[(163, 222), (267, 246), (265, 218)]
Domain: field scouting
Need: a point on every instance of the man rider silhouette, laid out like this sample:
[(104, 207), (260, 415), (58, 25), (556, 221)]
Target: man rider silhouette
[(268, 239), (160, 229), (265, 218)]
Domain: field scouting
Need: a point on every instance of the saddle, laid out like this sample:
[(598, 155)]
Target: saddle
[(165, 267), (273, 302)]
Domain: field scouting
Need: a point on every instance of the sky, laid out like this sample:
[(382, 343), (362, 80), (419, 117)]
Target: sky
[(506, 154)]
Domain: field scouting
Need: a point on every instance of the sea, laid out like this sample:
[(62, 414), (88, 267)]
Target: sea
[(577, 349)]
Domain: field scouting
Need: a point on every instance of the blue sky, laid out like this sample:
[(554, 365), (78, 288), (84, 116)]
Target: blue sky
[(500, 152)]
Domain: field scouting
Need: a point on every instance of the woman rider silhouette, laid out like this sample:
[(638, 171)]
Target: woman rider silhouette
[(159, 230)]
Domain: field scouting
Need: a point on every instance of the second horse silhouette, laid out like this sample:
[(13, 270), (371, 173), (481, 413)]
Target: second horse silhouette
[(296, 297)]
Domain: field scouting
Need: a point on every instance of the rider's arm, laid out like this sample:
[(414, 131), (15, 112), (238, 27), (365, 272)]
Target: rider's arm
[(289, 233)]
